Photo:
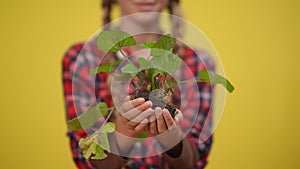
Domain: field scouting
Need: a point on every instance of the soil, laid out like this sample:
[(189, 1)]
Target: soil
[(157, 99)]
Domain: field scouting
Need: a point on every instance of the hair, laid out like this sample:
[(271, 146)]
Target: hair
[(106, 7), (173, 8), (177, 25)]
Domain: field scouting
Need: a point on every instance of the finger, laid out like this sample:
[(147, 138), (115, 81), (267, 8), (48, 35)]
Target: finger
[(168, 118), (129, 104), (141, 126), (161, 126), (127, 98), (178, 117), (153, 125), (131, 114), (137, 120)]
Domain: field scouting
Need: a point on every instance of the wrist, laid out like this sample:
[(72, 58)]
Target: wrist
[(170, 138), (123, 143), (175, 151)]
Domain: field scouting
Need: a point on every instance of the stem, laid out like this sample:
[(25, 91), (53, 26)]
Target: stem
[(148, 59), (108, 116), (142, 79), (133, 85), (110, 108), (125, 56), (187, 81)]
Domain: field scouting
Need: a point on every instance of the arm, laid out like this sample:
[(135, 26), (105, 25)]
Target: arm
[(81, 97), (193, 150), (74, 136), (200, 136), (181, 155), (130, 122)]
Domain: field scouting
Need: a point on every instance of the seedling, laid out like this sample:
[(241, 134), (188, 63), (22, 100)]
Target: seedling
[(150, 78)]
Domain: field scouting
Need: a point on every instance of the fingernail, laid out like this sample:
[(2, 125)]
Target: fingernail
[(176, 119), (145, 121), (149, 103), (140, 99)]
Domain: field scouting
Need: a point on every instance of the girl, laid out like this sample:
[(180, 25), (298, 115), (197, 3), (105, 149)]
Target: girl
[(135, 116)]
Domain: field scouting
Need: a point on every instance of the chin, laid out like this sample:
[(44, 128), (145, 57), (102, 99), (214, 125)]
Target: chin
[(145, 18)]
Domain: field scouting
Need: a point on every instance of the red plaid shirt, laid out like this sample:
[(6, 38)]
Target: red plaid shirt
[(195, 61)]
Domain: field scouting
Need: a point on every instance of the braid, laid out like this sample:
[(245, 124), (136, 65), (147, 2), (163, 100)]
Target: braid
[(106, 7), (177, 26), (106, 18)]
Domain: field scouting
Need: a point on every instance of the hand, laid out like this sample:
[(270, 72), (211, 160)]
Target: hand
[(163, 125), (131, 121)]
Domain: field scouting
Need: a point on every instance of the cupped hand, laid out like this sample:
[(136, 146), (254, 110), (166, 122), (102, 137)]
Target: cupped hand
[(132, 118), (165, 127)]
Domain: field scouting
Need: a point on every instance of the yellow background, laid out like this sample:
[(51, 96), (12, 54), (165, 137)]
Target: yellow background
[(258, 42)]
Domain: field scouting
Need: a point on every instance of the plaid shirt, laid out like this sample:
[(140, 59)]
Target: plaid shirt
[(195, 61)]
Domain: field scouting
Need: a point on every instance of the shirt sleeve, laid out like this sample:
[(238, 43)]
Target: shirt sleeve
[(198, 141), (69, 61), (201, 133), (79, 94)]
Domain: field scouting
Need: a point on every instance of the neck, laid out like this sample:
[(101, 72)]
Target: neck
[(145, 32), (140, 23)]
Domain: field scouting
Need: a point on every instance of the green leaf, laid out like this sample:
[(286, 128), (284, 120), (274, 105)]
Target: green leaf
[(143, 63), (113, 40), (166, 62), (104, 143), (105, 67), (129, 68), (93, 149), (85, 142), (99, 154), (168, 83), (108, 127), (166, 42), (149, 87), (87, 153), (140, 76), (148, 44), (155, 52), (143, 136), (206, 76), (102, 108), (125, 77), (155, 73), (88, 118), (151, 73)]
